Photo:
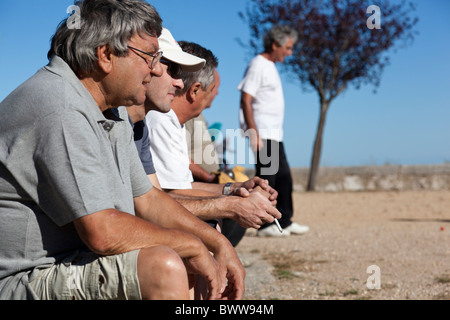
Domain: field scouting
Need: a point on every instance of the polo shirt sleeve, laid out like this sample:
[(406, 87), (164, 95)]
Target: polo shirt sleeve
[(64, 173)]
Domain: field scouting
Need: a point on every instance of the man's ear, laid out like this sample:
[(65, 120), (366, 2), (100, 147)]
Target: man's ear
[(194, 91), (275, 45), (104, 56)]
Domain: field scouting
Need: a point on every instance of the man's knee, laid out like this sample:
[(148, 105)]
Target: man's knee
[(162, 273), (160, 259)]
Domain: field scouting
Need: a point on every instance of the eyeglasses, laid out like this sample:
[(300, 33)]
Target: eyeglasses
[(173, 69), (151, 62)]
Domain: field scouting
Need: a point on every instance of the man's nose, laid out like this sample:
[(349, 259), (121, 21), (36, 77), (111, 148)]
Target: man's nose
[(157, 70)]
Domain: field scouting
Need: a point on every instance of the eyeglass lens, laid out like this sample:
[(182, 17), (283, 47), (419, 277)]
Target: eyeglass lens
[(155, 57)]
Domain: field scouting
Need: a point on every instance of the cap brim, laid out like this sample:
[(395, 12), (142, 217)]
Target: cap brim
[(188, 62)]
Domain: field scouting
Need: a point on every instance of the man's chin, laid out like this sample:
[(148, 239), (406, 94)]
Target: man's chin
[(139, 100), (162, 110)]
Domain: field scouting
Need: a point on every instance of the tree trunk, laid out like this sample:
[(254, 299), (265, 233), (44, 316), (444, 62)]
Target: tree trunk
[(315, 160)]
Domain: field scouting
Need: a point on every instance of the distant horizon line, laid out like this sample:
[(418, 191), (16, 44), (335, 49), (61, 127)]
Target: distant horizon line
[(444, 164)]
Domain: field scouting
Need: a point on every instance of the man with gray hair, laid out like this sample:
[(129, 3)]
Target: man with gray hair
[(169, 151), (79, 217), (262, 116)]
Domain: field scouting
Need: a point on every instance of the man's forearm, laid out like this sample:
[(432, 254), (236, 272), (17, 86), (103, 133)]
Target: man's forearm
[(110, 232), (159, 208), (204, 205), (207, 209), (215, 188)]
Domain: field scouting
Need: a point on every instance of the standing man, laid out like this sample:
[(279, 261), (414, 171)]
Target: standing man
[(262, 113)]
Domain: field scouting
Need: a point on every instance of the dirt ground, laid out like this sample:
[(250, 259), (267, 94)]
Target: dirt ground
[(403, 238)]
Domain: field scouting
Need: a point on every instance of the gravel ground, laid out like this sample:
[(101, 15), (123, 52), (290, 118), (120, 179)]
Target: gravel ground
[(406, 235)]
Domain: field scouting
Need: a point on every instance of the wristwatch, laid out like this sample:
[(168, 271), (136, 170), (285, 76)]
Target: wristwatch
[(227, 188)]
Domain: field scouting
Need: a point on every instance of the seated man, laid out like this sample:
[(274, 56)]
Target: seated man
[(205, 167), (79, 217), (201, 146), (169, 152), (160, 96)]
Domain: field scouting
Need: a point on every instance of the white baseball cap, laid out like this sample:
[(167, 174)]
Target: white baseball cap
[(173, 52)]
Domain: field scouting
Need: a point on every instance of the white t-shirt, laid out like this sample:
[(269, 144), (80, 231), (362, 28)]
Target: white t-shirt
[(169, 150), (262, 81)]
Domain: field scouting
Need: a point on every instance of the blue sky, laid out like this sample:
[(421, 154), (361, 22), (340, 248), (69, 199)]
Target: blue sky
[(405, 122)]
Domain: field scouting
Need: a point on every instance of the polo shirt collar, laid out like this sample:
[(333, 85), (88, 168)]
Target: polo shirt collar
[(60, 67)]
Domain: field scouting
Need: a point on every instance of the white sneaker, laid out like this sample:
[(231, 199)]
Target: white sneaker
[(272, 231), (296, 228)]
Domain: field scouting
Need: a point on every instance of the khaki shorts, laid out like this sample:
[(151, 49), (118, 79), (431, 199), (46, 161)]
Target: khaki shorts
[(87, 276)]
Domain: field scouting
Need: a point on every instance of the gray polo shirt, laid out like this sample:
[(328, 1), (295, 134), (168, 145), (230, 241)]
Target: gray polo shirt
[(60, 159)]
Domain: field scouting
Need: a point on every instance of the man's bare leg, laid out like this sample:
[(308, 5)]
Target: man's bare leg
[(162, 274)]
